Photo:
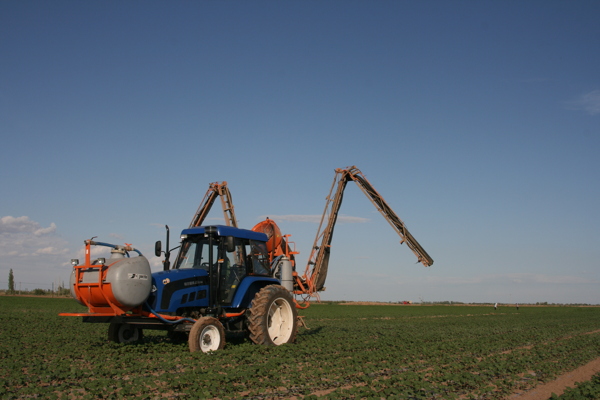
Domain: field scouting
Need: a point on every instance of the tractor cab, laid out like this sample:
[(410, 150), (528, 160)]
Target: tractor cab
[(210, 267)]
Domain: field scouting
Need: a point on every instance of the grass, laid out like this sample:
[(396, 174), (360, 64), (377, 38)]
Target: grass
[(349, 351)]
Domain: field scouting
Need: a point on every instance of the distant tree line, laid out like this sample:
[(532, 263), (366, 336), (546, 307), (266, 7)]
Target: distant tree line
[(61, 291)]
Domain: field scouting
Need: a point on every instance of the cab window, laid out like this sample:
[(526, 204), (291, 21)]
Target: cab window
[(195, 254), (258, 257)]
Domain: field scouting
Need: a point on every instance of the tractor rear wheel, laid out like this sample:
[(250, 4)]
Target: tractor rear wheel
[(273, 317), (124, 333), (207, 334)]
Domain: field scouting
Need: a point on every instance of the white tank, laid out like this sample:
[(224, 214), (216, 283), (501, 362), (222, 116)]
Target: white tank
[(129, 278)]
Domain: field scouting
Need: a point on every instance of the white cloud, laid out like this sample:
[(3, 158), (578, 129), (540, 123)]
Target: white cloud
[(315, 218), (23, 224), (12, 225), (156, 263), (561, 279), (46, 231), (51, 250), (95, 252), (36, 254), (21, 237), (117, 236), (589, 102)]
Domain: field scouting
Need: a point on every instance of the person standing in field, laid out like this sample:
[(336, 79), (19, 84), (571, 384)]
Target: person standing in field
[(517, 306), (496, 306)]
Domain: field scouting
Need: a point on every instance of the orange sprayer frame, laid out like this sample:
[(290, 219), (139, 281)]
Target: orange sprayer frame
[(97, 296)]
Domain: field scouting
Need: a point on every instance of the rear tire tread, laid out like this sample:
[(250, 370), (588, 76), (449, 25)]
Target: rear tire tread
[(258, 321)]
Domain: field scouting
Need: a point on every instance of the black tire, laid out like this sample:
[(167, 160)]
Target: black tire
[(273, 319), (124, 333), (207, 334)]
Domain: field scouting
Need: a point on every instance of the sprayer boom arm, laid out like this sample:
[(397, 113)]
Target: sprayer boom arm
[(215, 189), (316, 269)]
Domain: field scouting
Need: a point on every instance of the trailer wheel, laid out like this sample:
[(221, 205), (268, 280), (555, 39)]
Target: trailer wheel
[(124, 333), (273, 317), (207, 334)]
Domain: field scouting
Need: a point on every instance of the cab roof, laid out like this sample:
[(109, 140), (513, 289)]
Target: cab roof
[(222, 230)]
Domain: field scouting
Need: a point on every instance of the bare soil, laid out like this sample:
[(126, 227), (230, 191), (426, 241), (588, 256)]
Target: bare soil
[(559, 385)]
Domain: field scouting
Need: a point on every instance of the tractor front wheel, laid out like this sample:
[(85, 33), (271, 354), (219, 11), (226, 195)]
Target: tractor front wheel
[(273, 317), (124, 333), (207, 334)]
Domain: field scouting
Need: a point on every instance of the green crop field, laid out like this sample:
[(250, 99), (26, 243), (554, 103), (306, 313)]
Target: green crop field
[(349, 352)]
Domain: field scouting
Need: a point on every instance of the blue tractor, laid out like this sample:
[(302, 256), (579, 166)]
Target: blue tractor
[(222, 281)]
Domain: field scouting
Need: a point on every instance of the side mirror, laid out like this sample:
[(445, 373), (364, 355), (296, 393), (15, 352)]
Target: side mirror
[(230, 243), (158, 249)]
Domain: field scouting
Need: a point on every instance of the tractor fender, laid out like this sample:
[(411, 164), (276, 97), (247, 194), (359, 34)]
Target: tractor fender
[(249, 286)]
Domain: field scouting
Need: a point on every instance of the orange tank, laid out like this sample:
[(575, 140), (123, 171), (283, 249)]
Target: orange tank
[(270, 228), (114, 285)]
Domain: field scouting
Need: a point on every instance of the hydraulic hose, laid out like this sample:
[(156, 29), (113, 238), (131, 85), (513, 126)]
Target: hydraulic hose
[(166, 321), (118, 247)]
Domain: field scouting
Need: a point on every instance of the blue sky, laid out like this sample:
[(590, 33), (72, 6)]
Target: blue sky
[(478, 122)]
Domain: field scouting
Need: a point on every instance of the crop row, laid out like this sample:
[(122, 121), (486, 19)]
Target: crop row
[(407, 352), (589, 390)]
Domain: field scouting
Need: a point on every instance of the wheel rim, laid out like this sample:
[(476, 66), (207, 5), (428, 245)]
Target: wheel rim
[(128, 334), (209, 339), (280, 322)]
